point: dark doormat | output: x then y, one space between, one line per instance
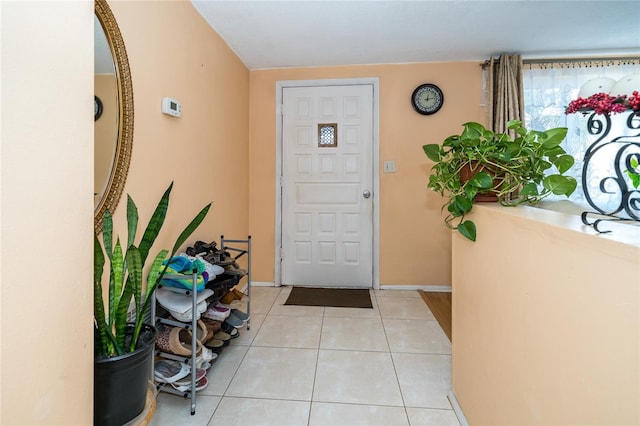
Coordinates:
334 297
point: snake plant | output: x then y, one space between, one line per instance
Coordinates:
126 276
514 166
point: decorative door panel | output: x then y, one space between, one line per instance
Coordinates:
327 165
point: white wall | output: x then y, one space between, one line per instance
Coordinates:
46 207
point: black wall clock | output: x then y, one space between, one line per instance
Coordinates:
427 99
97 108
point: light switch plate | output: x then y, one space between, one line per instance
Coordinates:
389 166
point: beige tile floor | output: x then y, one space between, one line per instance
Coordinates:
390 365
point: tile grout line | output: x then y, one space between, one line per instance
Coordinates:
224 393
272 311
315 372
393 363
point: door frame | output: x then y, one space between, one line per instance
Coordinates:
280 86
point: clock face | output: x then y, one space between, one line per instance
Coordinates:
427 99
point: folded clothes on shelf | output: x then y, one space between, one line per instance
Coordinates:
211 269
179 273
179 305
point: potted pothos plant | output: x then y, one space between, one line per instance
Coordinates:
513 167
123 349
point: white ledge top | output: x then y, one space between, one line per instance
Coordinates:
566 215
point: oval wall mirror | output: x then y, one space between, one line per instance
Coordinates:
113 127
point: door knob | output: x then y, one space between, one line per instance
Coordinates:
366 194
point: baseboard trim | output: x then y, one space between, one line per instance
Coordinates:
457 409
262 284
434 288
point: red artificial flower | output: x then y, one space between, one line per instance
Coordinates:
605 104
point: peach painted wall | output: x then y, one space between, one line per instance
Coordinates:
46 356
414 244
546 320
173 52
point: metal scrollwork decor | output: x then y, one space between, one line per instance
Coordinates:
611 161
621 151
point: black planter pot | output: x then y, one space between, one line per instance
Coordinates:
120 383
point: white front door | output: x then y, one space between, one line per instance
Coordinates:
327 186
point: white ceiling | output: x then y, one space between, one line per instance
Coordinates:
303 33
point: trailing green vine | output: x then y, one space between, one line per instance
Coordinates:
514 166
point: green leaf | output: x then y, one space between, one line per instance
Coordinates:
156 272
107 233
116 280
544 165
554 152
468 230
471 191
98 303
462 203
560 185
529 190
451 141
564 163
434 183
454 209
481 180
472 130
513 124
121 316
432 151
192 226
132 220
155 276
98 262
134 266
635 179
503 156
554 137
155 224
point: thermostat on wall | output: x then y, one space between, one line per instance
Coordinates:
172 107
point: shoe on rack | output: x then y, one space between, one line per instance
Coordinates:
234 321
200 384
239 295
181 345
233 269
203 333
167 371
230 330
221 308
215 345
228 298
214 314
240 315
225 338
213 326
237 318
177 341
168 340
200 374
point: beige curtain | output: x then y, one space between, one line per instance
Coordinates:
505 96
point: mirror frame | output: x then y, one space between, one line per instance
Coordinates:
124 144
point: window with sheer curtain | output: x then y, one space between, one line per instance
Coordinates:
548 89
